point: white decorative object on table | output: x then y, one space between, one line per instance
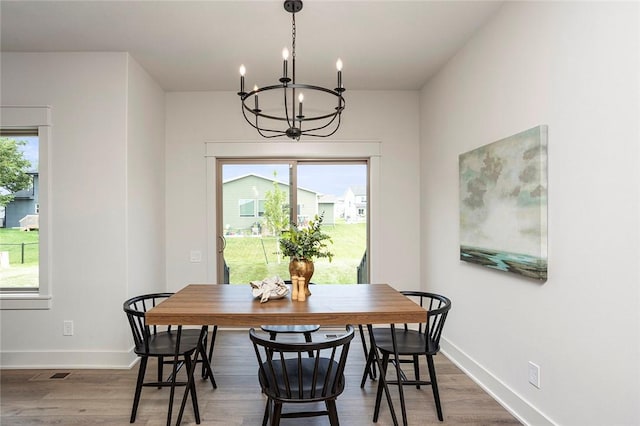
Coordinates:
269 288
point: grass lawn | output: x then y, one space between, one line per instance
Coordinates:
249 258
255 258
22 270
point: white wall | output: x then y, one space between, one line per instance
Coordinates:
91 184
389 117
573 66
145 183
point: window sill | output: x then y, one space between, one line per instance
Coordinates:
24 301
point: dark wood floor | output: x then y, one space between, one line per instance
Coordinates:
103 397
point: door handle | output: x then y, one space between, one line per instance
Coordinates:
223 244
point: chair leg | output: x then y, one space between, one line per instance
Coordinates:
160 365
277 412
267 409
416 370
333 412
434 386
136 398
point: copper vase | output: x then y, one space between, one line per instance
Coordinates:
302 268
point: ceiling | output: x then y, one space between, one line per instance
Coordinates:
199 45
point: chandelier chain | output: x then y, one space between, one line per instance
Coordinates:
293 35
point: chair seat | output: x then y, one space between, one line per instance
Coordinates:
409 342
163 343
290 328
310 389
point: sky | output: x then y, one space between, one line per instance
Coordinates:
331 179
30 150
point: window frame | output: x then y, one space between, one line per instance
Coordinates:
35 118
294 150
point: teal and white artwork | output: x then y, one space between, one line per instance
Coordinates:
503 204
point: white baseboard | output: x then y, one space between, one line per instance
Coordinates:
67 359
520 408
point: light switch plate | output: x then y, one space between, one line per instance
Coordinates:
195 256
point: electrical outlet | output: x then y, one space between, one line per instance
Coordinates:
67 328
534 374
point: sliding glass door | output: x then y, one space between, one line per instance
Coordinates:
255 204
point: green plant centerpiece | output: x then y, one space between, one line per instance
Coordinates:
304 244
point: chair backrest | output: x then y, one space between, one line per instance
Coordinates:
437 307
136 308
286 372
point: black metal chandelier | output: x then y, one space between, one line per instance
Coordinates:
322 123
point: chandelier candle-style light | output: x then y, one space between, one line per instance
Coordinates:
270 125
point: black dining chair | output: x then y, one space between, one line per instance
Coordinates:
163 343
286 376
424 339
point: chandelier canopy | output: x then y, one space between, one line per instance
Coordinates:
321 122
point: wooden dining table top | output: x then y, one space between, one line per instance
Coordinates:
334 304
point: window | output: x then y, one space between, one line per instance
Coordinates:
222 208
25 232
247 208
19 237
251 237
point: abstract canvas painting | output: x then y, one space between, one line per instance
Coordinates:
503 204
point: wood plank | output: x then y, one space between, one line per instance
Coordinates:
233 306
104 397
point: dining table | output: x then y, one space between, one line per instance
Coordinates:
329 305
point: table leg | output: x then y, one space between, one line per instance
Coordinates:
176 358
370 367
190 381
403 408
209 359
382 382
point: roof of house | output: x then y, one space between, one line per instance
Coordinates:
327 198
358 189
267 179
